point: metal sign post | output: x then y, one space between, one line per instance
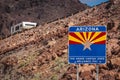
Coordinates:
87 45
97 72
77 72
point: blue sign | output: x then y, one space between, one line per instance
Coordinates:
87 45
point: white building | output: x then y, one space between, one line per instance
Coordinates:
21 26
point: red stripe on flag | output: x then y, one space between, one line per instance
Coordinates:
92 35
100 35
82 35
101 42
75 36
87 35
73 42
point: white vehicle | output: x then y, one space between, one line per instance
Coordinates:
21 26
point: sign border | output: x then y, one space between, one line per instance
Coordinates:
83 31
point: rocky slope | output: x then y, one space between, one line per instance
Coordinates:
15 11
41 53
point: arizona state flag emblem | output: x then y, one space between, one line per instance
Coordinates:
87 44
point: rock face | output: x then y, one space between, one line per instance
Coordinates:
40 11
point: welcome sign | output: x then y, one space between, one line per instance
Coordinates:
87 44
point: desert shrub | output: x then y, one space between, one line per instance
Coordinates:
36 76
119 26
110 25
54 77
44 42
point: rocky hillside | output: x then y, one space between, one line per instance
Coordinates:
41 53
15 11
